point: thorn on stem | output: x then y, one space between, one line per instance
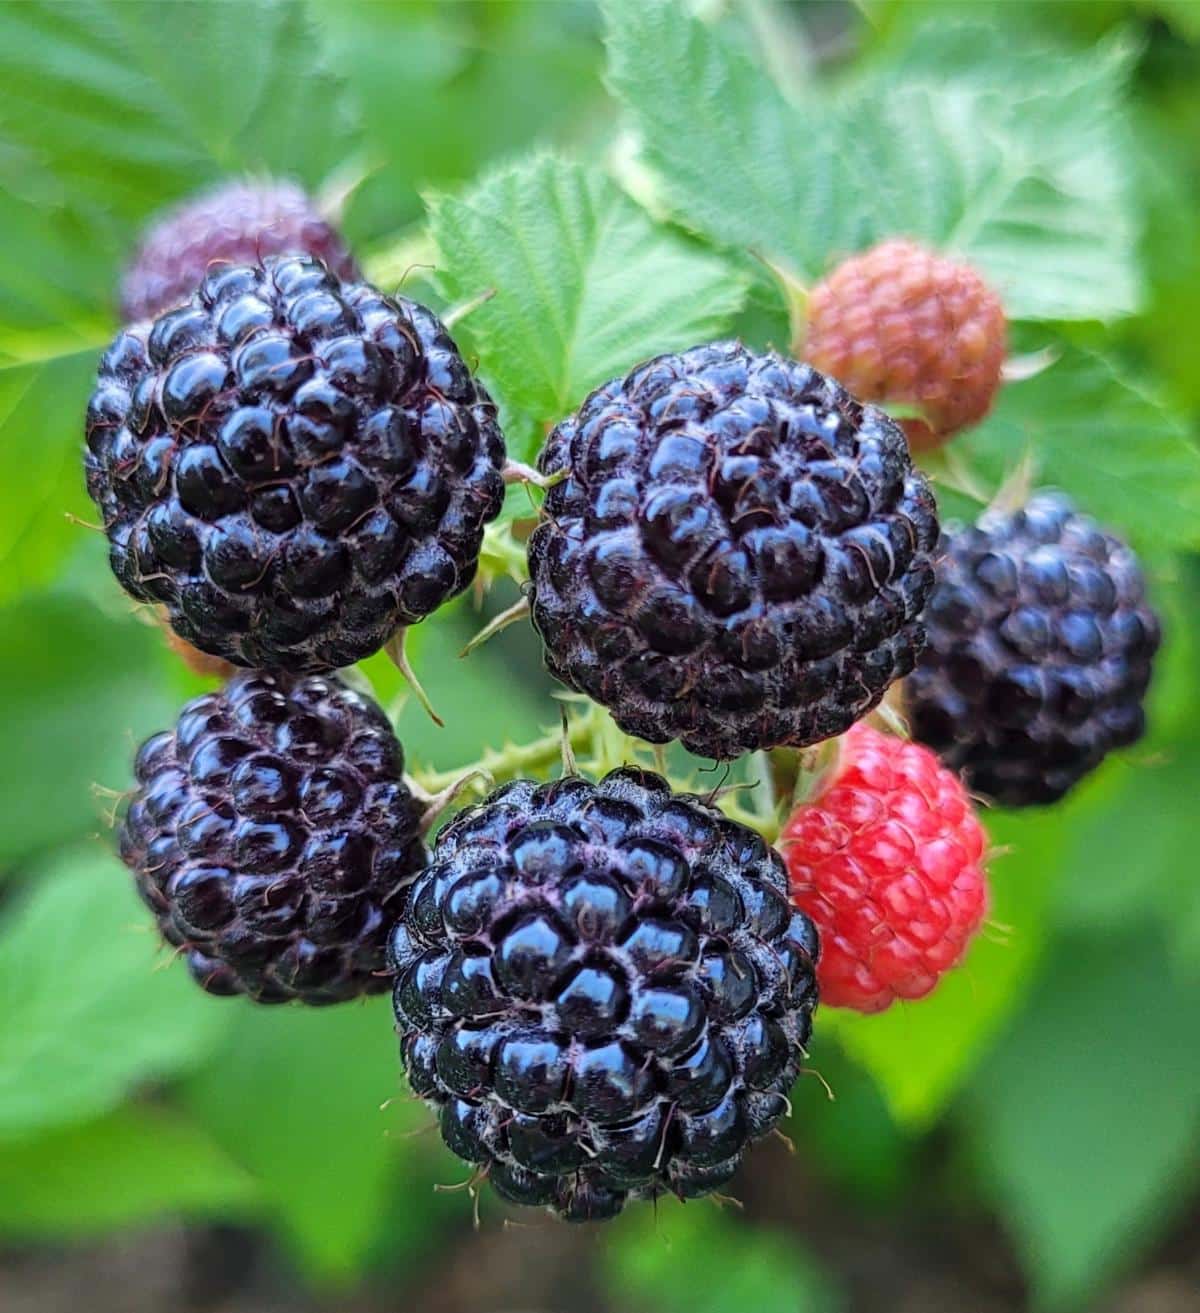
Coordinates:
399 658
518 611
459 312
433 804
568 753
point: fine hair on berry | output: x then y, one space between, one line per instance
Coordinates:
602 991
736 555
1041 645
236 222
272 835
887 860
293 466
903 324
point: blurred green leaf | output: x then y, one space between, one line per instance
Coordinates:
86 92
921 1053
130 1167
1182 15
1097 434
681 1258
88 1010
41 435
78 692
1086 1118
296 1096
111 109
841 1122
1026 174
586 285
1130 855
480 79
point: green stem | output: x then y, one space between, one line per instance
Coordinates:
513 760
601 746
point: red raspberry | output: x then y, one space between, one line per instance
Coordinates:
902 324
886 860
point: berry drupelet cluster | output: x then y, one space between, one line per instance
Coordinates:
902 324
603 991
233 223
293 466
736 555
887 859
272 835
1040 650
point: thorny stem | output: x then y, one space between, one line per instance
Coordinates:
513 760
590 737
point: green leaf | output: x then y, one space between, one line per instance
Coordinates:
89 1012
41 427
96 90
1028 177
500 76
1096 433
680 1258
78 691
921 1053
110 111
841 1125
135 1165
297 1096
1086 1119
586 285
1130 854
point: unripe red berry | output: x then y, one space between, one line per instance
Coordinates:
903 325
886 859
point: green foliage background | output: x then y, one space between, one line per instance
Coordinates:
626 177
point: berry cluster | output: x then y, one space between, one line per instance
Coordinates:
605 990
293 466
1040 646
901 324
886 858
272 835
738 555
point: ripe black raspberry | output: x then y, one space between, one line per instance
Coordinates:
272 835
603 991
1040 649
233 223
738 555
292 465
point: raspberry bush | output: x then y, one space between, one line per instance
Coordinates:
794 742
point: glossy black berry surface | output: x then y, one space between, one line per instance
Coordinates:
737 556
1040 651
272 835
293 466
233 223
603 991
